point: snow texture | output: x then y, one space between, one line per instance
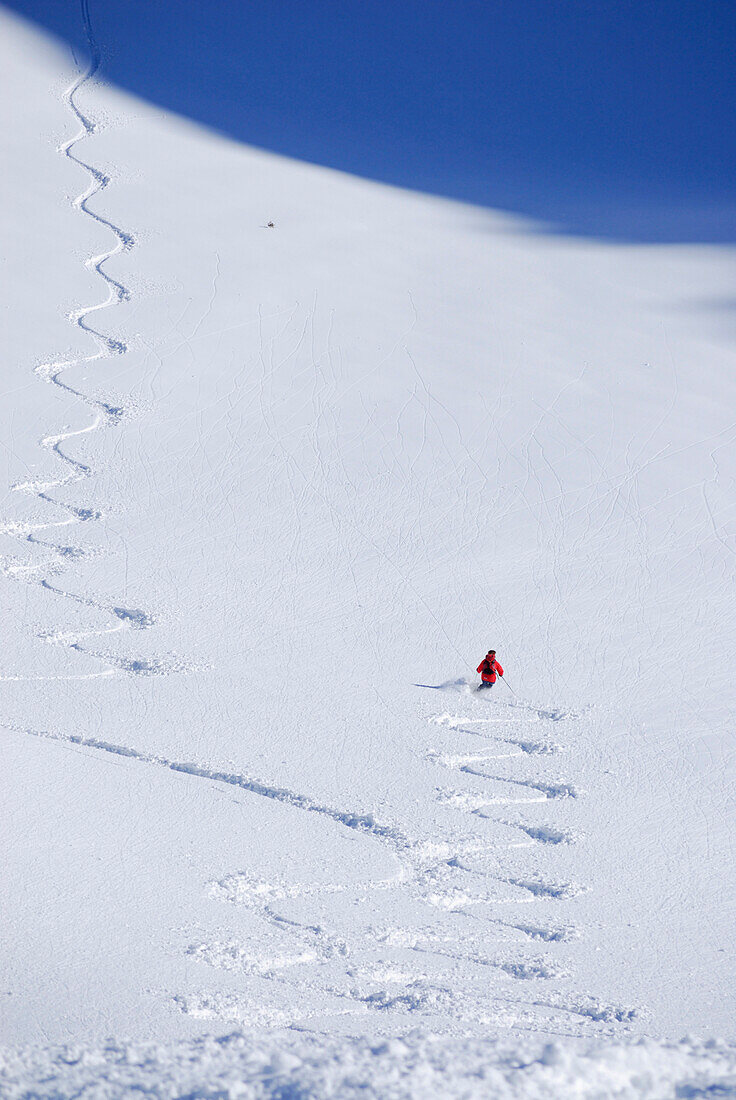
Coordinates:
237 1067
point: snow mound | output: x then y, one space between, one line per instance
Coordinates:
238 1067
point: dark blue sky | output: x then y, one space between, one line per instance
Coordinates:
613 118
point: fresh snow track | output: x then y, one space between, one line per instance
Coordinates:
456 884
460 880
361 822
107 415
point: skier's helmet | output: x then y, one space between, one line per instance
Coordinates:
491 653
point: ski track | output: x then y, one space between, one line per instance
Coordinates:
106 415
462 886
463 881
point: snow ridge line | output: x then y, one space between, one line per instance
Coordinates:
106 413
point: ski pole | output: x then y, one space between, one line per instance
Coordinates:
508 685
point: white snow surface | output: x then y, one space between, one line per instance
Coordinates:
271 493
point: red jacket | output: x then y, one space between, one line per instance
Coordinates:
488 669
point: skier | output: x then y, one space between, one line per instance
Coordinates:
488 668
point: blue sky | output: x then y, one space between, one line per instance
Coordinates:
612 118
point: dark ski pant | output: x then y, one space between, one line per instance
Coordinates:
484 684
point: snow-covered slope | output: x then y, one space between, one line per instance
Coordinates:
274 493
